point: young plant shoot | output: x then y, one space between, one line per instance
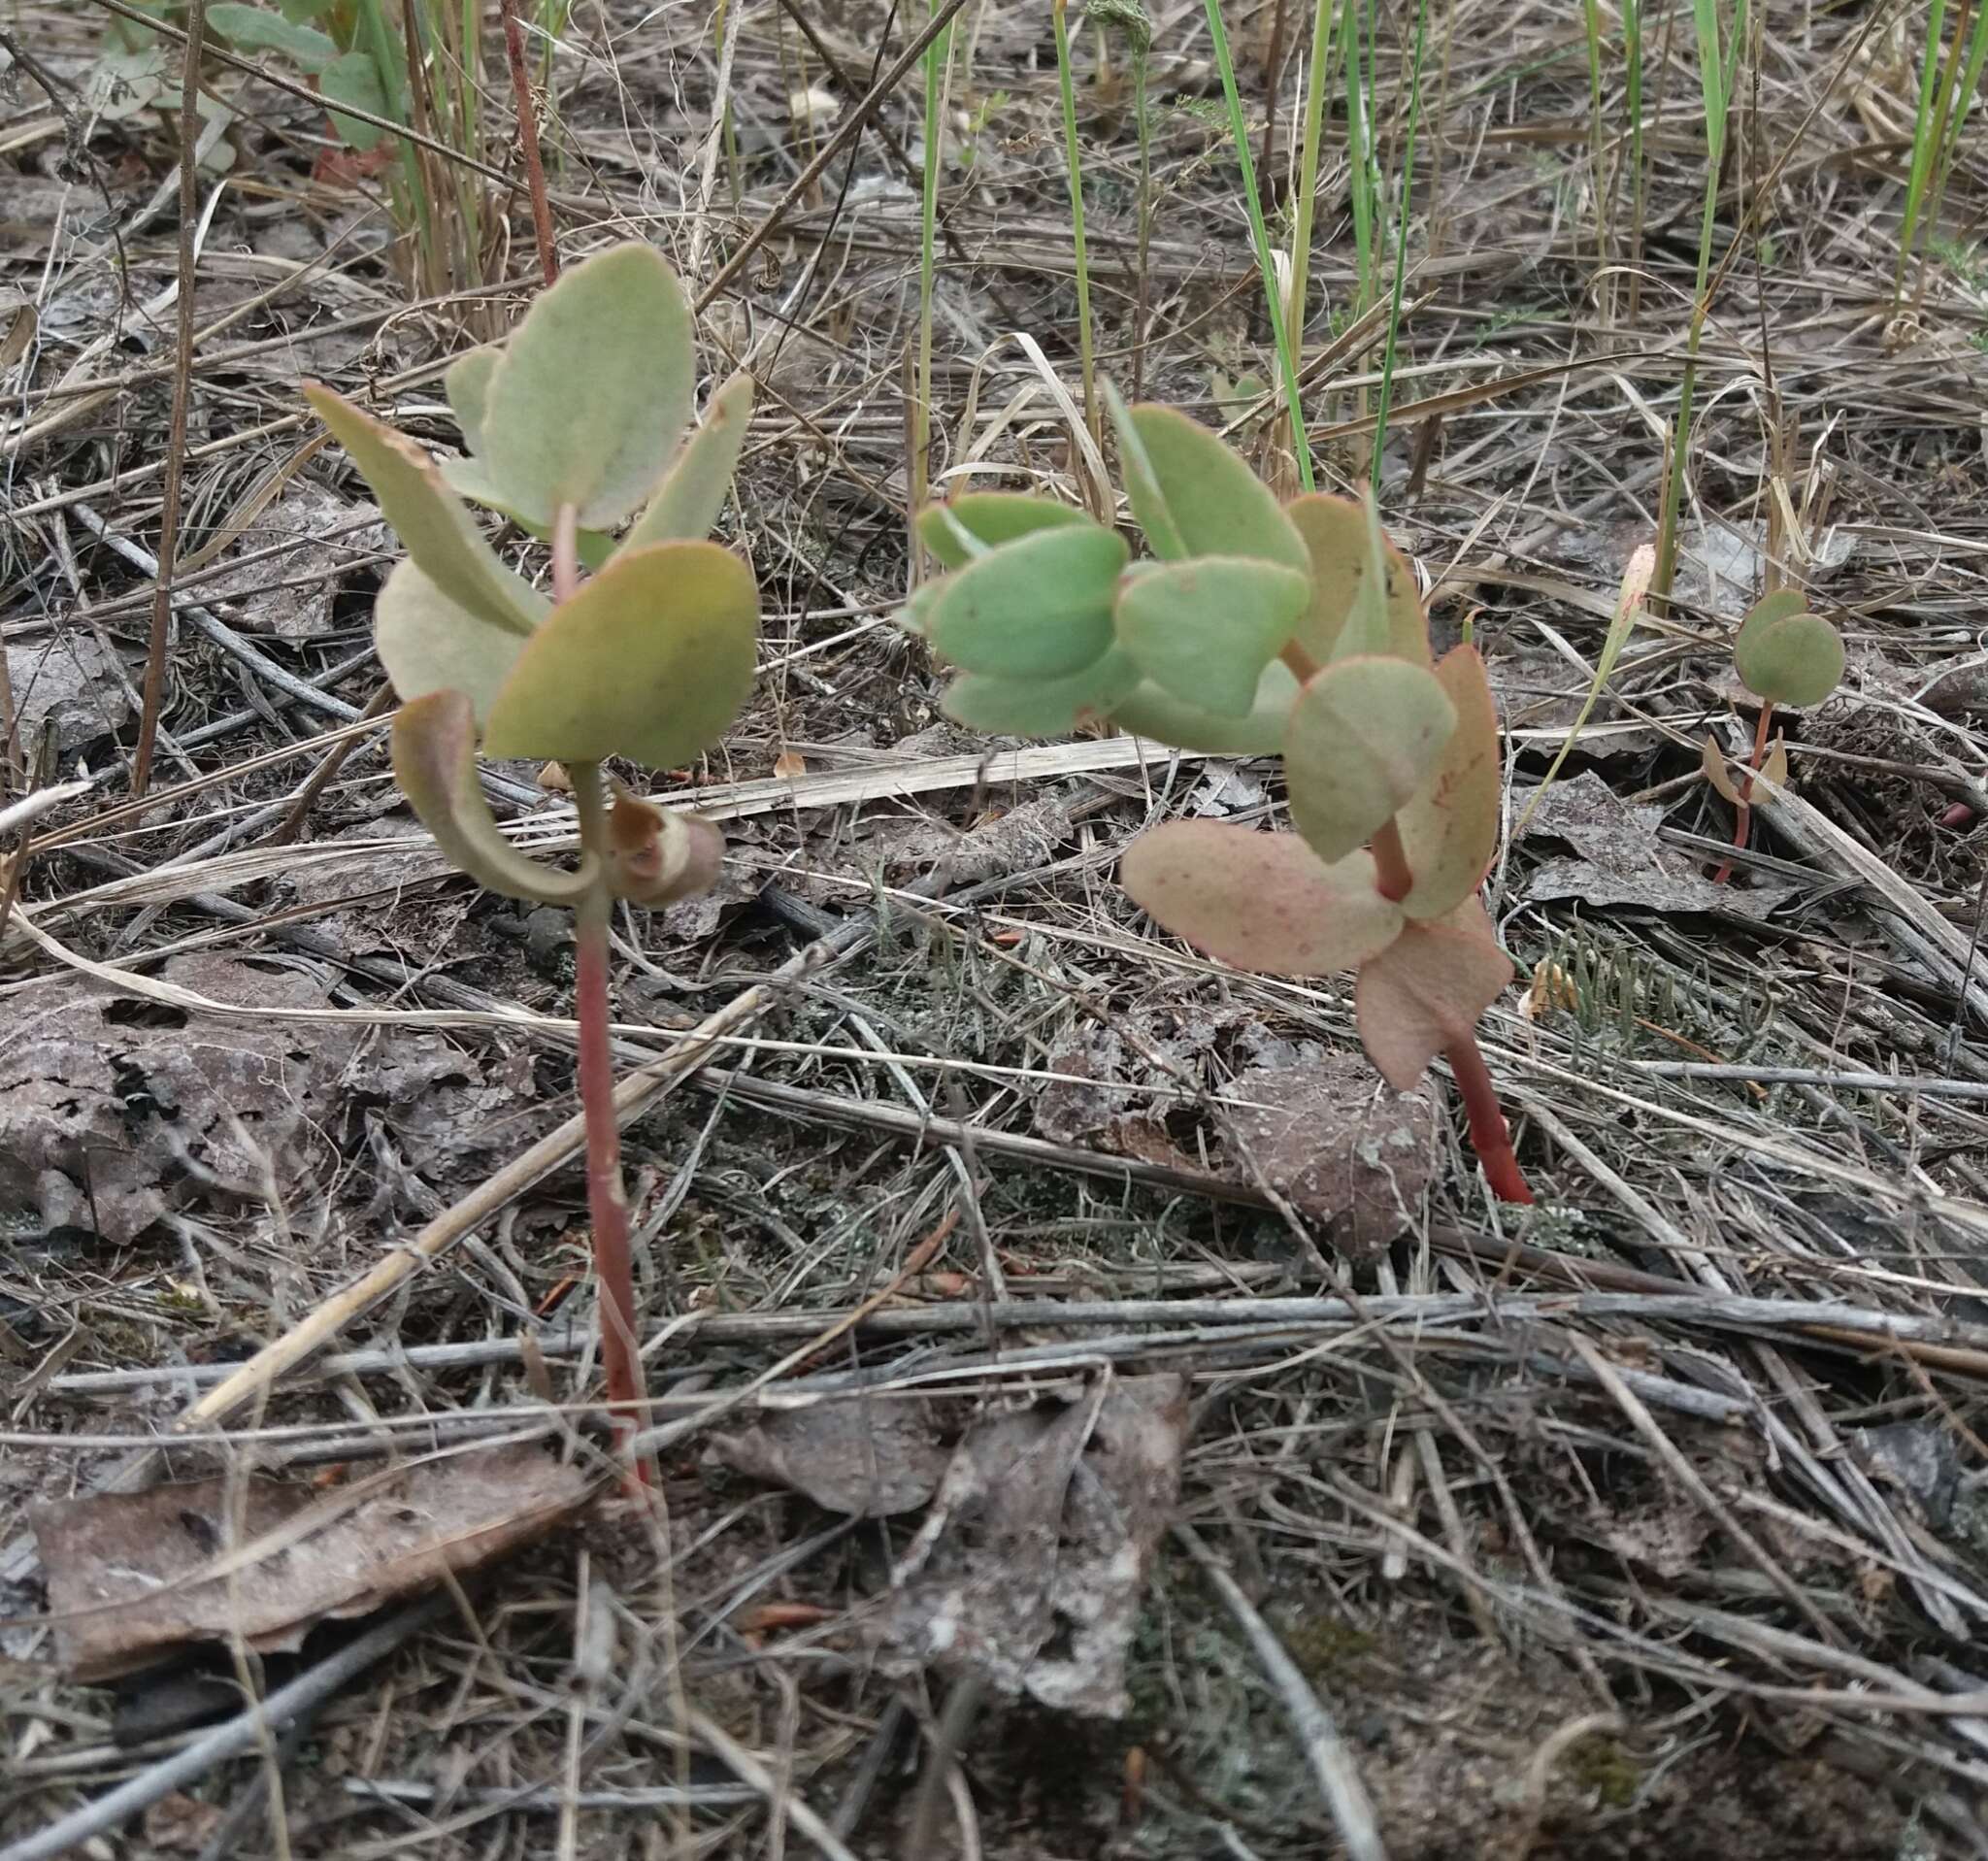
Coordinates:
1784 656
1258 630
574 427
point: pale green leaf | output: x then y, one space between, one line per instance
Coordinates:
258 29
693 492
651 660
1424 993
435 759
352 78
1204 629
1215 503
1364 736
1338 546
467 388
428 643
1041 706
590 397
1142 489
1261 902
430 523
1788 658
1449 828
1040 607
1148 711
975 522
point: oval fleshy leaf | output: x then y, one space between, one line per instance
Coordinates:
988 518
429 643
651 660
353 78
1364 737
591 396
1148 711
1788 657
659 855
1214 503
1263 902
466 386
1142 489
1426 992
250 28
1206 628
1336 541
1450 829
1039 609
437 531
435 760
1041 706
692 493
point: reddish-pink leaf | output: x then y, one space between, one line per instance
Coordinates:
1450 830
1259 901
1426 991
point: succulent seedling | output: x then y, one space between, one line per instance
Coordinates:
1784 656
1257 629
574 426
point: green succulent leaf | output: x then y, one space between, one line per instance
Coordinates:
437 531
1450 829
1040 607
1149 711
1365 736
258 29
467 388
590 399
1041 706
429 642
435 759
692 493
353 78
1194 496
1426 991
651 660
976 521
1261 902
914 617
1339 547
1787 655
1206 628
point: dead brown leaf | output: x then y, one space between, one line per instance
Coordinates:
1031 1568
871 1460
134 1577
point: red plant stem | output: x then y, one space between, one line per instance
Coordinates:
1743 816
1392 879
607 1199
1490 1135
528 140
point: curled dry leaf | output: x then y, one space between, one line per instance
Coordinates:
657 855
135 1577
435 761
1259 901
1426 991
1030 1570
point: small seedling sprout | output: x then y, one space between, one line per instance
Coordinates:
574 427
1784 656
1258 629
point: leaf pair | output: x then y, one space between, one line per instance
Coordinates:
586 406
1786 654
1267 902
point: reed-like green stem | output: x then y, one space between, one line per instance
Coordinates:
1073 163
1287 361
1400 245
1317 77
